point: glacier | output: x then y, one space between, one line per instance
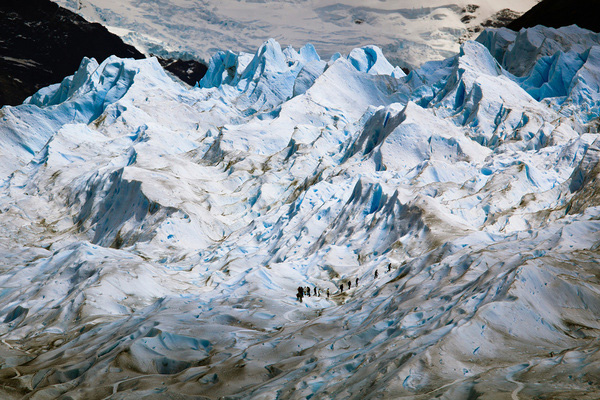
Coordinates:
153 235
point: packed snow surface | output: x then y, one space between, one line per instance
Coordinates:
153 236
410 32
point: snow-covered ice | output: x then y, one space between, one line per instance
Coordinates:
153 235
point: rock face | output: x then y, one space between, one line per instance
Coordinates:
41 43
557 13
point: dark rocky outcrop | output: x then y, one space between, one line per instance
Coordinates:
557 13
189 71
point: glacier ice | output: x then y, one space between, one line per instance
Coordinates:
153 235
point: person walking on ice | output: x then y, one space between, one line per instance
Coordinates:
300 294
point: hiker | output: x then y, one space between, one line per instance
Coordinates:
315 292
327 292
341 287
376 274
308 291
389 267
349 285
356 282
300 294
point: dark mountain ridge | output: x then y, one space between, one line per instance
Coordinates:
557 13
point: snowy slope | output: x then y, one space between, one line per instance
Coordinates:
410 32
153 236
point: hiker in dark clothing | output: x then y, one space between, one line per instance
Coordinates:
389 267
356 282
376 274
349 285
308 291
341 287
300 294
327 292
315 292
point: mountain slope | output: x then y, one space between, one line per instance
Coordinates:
154 236
41 43
409 32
